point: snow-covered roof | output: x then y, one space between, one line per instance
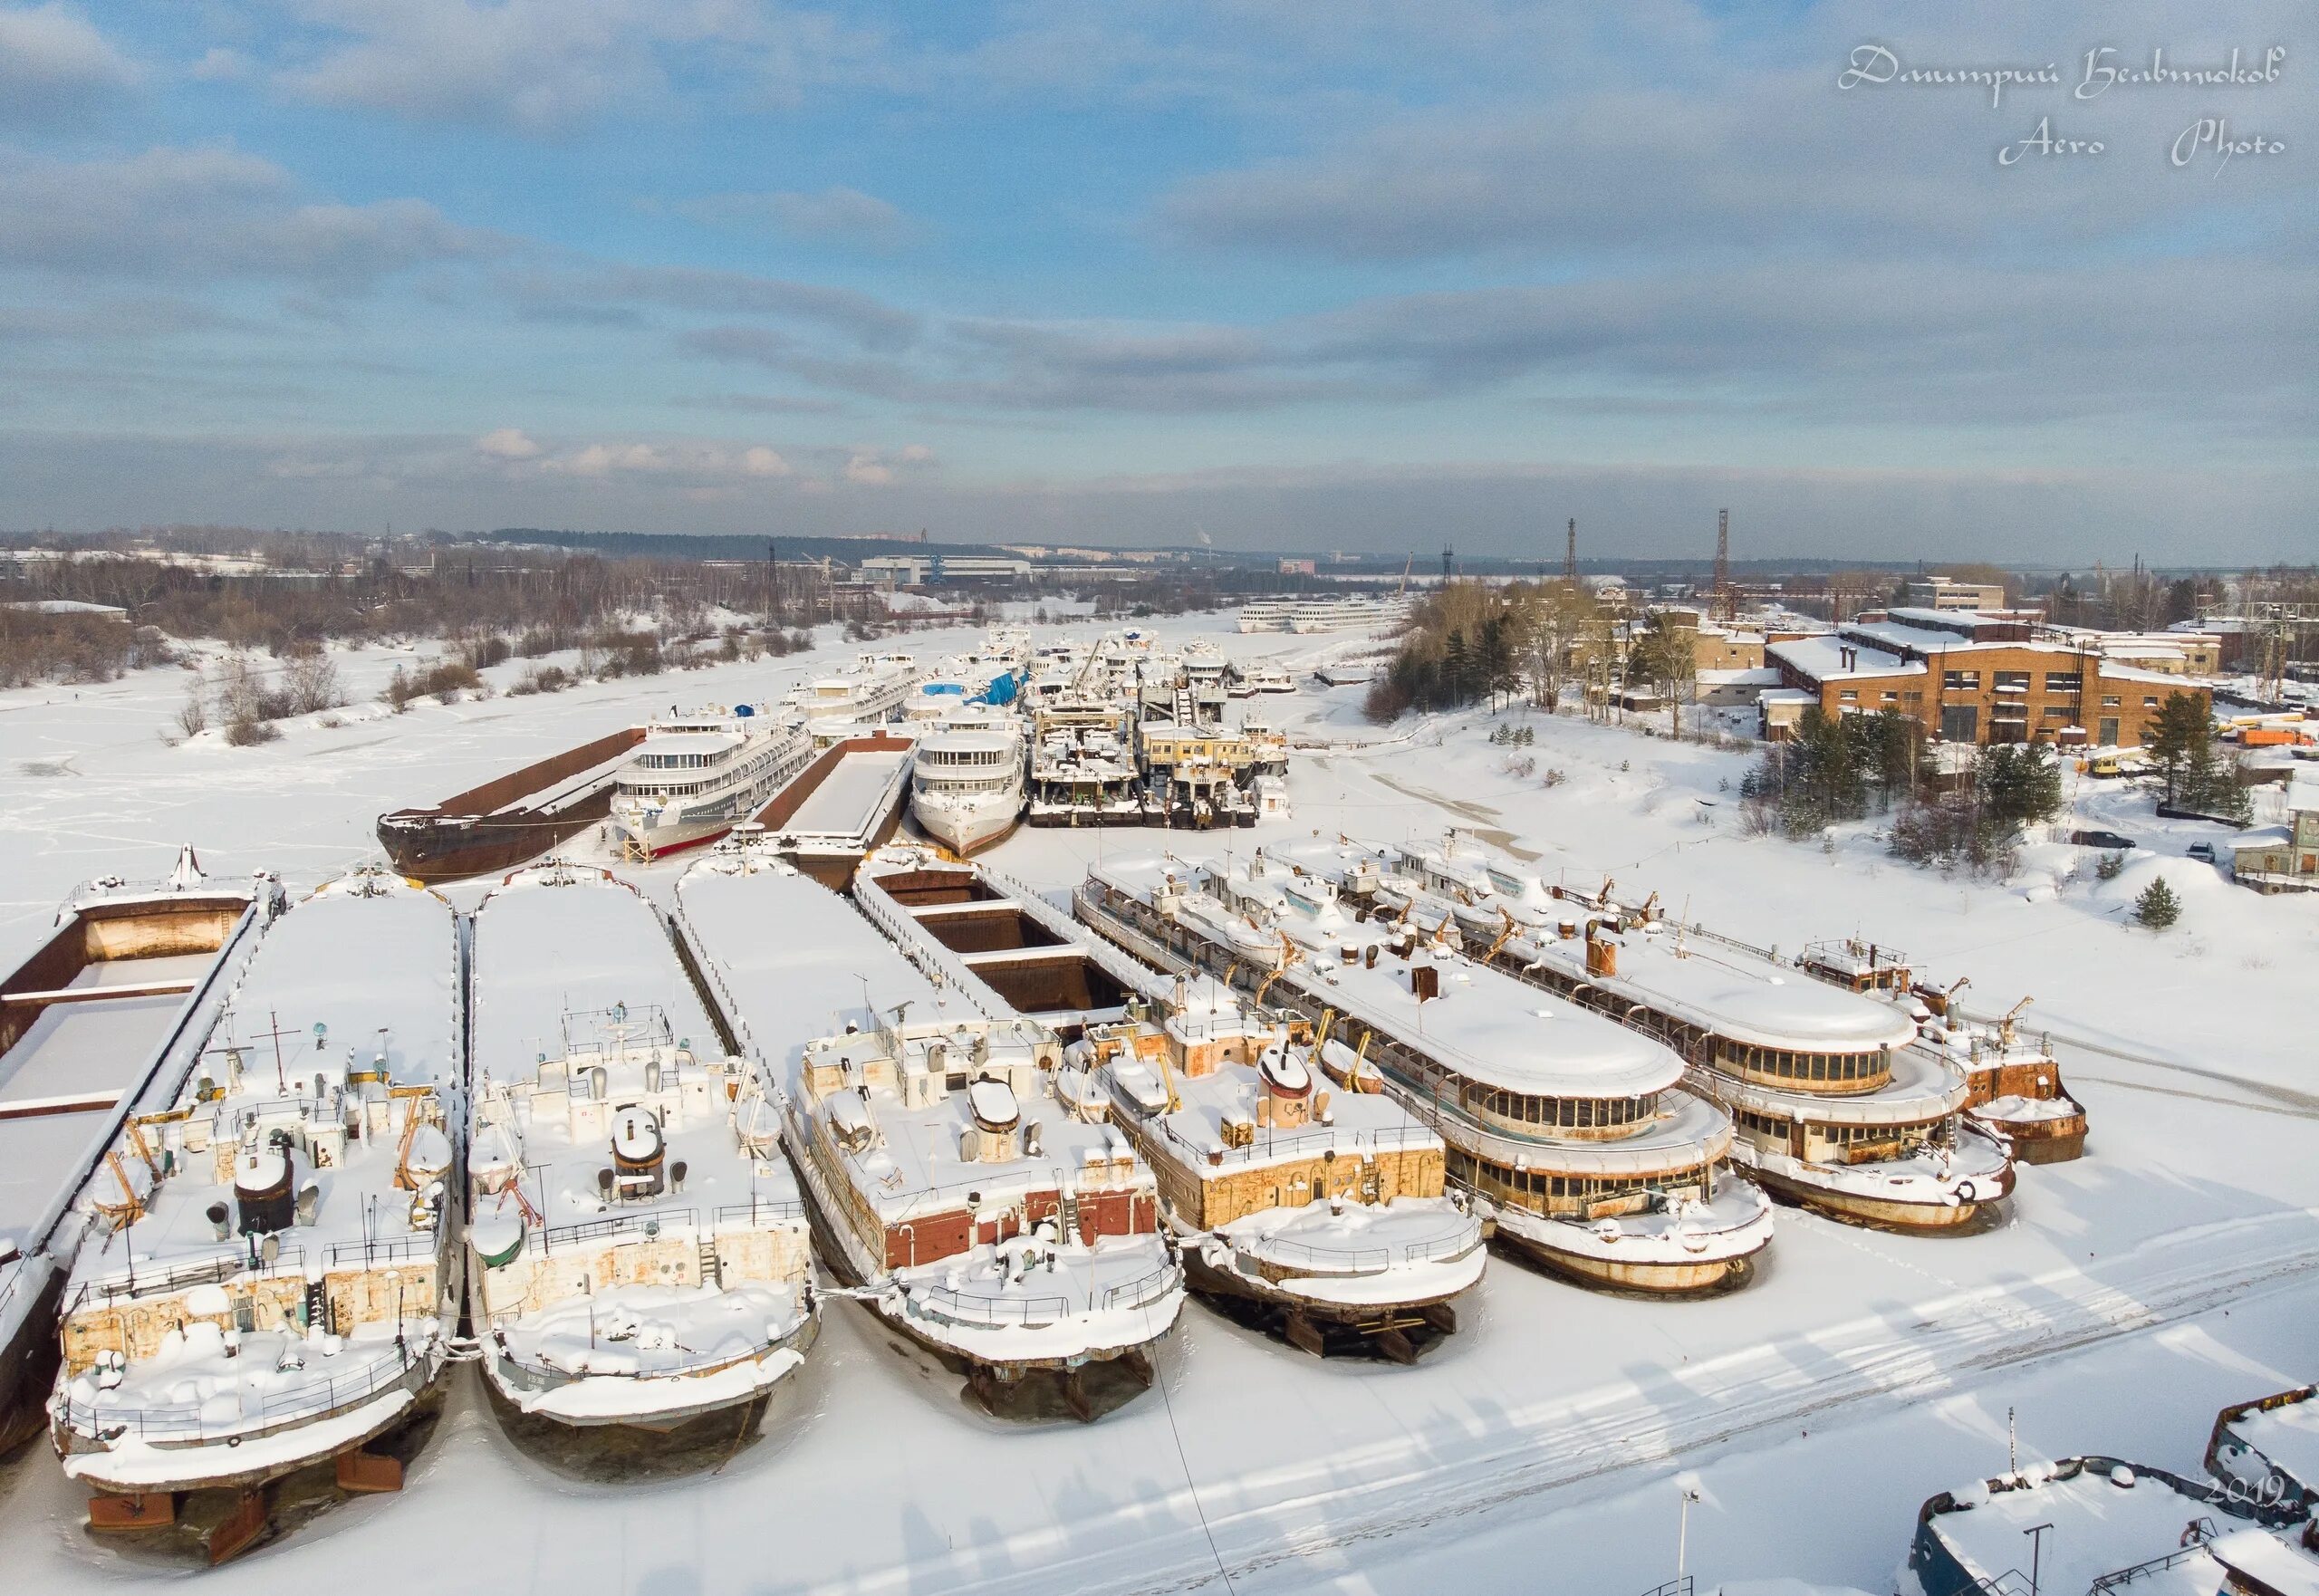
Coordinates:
1761 675
1486 1025
1832 658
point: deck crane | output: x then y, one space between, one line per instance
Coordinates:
2005 1027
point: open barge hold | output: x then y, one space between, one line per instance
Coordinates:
101 1022
948 1182
510 818
277 1296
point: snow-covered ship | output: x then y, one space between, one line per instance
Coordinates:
856 698
966 783
1315 1197
520 816
636 1253
279 1287
695 777
949 1181
1574 1131
1835 1108
101 1022
1285 1186
1084 775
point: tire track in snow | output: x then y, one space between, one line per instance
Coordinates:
1374 1492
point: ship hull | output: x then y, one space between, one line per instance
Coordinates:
966 833
2038 1141
217 1466
473 834
1689 1278
1880 1213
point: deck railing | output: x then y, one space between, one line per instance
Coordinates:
275 1408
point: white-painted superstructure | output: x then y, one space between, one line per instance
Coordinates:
694 777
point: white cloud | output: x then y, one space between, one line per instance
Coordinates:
864 468
508 443
188 214
220 66
53 64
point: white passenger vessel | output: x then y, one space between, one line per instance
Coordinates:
966 784
948 1177
1835 1108
856 699
281 1287
637 1252
695 777
1574 1131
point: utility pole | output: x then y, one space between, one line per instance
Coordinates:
1723 599
1683 1535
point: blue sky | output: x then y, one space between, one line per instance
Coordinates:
1329 274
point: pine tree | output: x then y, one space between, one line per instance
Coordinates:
2157 908
2182 731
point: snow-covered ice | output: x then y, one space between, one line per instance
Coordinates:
2130 1296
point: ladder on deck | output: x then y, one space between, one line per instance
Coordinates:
711 1272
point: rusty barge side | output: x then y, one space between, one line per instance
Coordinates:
476 832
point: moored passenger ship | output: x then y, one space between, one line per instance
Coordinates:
1574 1131
966 783
1835 1108
694 777
948 1178
279 1291
636 1253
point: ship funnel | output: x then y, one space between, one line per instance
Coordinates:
600 1082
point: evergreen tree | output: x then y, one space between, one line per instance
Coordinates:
1455 666
2157 908
2019 784
2174 738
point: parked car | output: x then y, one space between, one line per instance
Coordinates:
2202 851
2109 840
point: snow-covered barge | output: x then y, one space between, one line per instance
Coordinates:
948 1182
100 1021
1835 1108
846 802
1574 1131
1325 1208
279 1286
637 1252
510 818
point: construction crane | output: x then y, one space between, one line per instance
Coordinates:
1570 555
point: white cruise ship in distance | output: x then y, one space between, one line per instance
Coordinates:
637 1252
864 695
985 1222
1353 613
695 777
967 784
283 1292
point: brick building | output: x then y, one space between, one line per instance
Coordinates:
1969 677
